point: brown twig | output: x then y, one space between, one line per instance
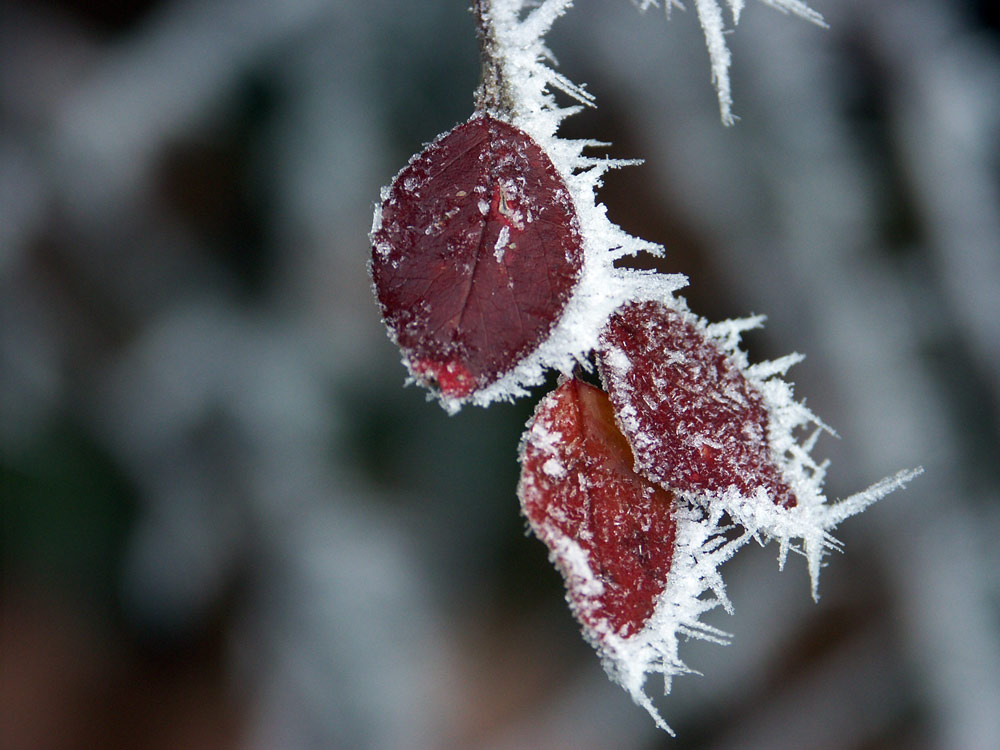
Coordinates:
493 94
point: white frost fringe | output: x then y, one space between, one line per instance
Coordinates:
524 60
694 587
806 527
694 583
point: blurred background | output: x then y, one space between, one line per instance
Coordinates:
226 524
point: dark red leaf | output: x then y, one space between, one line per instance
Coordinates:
476 255
578 486
694 421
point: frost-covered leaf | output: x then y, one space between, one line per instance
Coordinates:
609 530
641 567
476 252
722 433
695 422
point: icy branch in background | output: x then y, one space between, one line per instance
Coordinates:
713 24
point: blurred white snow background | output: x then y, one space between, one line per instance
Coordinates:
227 525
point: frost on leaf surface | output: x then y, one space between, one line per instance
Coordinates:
476 250
610 531
695 422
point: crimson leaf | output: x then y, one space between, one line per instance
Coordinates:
693 419
609 530
475 256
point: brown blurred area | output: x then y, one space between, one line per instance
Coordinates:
70 682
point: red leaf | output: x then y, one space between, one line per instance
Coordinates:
693 419
476 255
578 487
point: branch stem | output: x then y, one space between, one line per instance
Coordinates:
493 94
